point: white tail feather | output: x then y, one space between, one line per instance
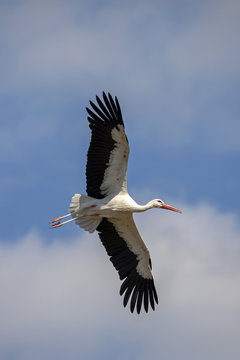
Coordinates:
88 224
79 202
78 206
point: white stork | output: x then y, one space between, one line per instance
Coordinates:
108 207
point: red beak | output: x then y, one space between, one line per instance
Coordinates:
169 207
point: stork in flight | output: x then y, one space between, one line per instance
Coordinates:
108 208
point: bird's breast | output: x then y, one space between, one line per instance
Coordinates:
120 203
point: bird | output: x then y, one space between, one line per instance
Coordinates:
108 208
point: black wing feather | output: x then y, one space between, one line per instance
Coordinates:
109 107
99 112
118 108
139 300
104 109
146 299
113 105
135 287
101 122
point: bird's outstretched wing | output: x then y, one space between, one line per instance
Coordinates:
131 259
108 152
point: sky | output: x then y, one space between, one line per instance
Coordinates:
174 67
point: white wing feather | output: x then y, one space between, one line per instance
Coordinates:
115 177
127 229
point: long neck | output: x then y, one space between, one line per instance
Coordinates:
145 207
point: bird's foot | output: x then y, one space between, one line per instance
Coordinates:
58 222
57 219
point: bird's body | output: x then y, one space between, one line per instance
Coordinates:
108 207
114 206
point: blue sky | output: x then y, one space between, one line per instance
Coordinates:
175 69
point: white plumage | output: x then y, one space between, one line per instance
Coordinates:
108 207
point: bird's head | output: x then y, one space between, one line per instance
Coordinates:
158 203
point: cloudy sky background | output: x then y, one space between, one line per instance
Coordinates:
175 69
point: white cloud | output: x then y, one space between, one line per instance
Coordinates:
61 41
208 45
61 300
135 50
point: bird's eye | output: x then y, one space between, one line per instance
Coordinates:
160 201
